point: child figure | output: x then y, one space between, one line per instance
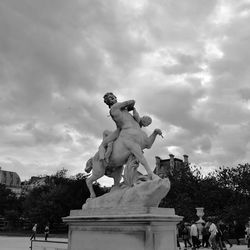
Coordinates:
143 121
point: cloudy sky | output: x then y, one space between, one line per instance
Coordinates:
186 63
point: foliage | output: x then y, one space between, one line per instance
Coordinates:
50 202
224 194
236 179
8 200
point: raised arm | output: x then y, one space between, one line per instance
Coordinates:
129 105
136 115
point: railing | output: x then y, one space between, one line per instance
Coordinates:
48 245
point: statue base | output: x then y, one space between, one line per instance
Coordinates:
145 228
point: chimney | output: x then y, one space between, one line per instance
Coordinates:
171 160
185 159
157 161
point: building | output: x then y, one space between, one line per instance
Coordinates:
34 182
165 167
171 168
11 180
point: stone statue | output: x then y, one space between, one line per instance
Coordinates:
118 146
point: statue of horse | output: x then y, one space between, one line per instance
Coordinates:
131 141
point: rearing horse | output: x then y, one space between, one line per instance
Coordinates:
131 140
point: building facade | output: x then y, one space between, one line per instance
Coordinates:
165 167
11 180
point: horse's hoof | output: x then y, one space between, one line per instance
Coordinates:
89 199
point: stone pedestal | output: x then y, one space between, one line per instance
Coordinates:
124 229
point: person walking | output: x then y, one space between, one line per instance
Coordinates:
46 232
212 238
34 229
205 235
194 235
247 233
219 237
178 235
236 230
225 234
186 235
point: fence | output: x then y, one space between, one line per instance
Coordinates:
3 224
48 245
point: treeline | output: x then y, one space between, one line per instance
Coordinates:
225 194
46 203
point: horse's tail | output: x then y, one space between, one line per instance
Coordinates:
89 165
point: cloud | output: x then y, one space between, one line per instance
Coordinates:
185 63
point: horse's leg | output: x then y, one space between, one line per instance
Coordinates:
117 175
150 140
98 171
136 150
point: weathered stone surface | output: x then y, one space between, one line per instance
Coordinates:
143 194
123 228
117 147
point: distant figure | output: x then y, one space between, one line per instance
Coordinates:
194 235
247 233
225 234
236 230
177 237
205 235
186 235
219 237
46 232
33 236
212 238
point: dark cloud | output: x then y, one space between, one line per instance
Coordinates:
185 63
245 93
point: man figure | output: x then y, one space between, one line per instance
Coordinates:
186 235
46 232
237 231
115 112
194 235
119 112
33 236
247 234
142 121
131 140
205 235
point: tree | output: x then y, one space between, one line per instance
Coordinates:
236 178
224 194
237 181
54 200
8 200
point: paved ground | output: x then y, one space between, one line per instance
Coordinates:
234 247
19 243
23 243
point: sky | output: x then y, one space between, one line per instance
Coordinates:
185 63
